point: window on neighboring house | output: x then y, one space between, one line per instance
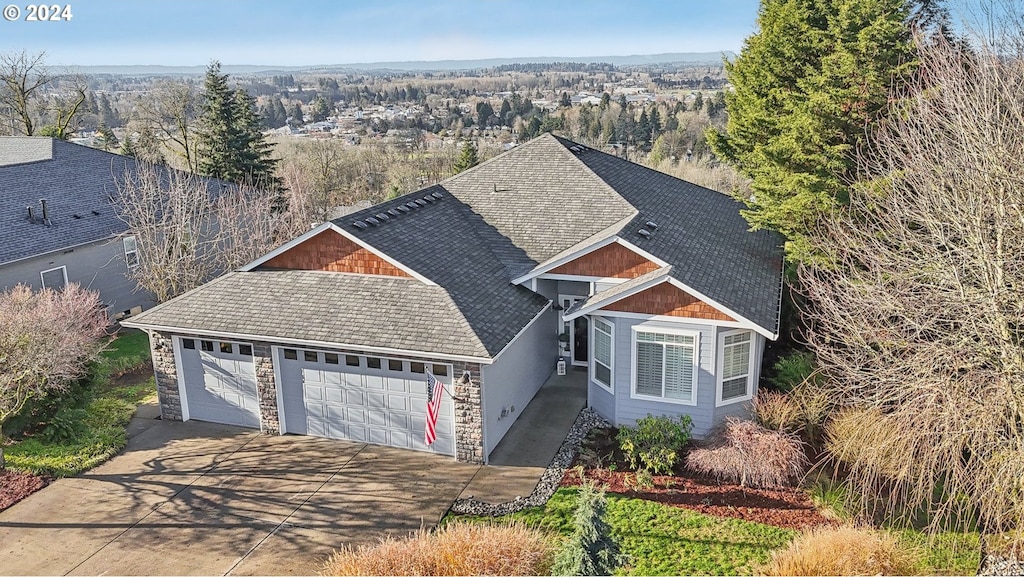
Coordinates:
372 362
291 354
188 343
394 365
206 346
131 251
55 278
602 368
310 356
245 350
417 367
737 358
352 360
226 348
440 370
665 366
331 358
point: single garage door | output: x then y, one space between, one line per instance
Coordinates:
363 398
220 382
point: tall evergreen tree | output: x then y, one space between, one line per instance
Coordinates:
807 85
231 145
467 157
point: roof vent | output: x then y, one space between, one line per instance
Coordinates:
421 202
403 208
437 195
359 224
95 213
644 233
393 212
382 217
76 217
412 205
651 225
372 221
429 198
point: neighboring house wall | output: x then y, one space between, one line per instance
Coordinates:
98 266
516 376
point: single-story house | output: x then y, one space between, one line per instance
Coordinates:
652 285
58 223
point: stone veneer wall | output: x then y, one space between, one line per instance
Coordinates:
266 388
166 374
469 422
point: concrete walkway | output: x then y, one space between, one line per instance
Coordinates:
204 499
521 457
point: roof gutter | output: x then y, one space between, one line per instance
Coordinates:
305 342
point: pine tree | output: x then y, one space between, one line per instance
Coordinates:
467 157
807 86
231 144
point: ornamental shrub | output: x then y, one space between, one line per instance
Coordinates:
655 443
590 549
746 453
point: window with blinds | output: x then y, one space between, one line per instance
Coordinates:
736 350
665 366
602 369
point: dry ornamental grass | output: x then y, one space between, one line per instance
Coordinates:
844 550
455 549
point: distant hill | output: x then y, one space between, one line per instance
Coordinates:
417 65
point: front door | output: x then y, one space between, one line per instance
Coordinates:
576 347
580 341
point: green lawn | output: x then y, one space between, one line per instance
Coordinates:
663 540
89 427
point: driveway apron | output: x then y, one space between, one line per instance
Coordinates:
197 498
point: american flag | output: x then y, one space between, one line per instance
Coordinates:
435 390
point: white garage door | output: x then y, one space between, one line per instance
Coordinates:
219 382
361 398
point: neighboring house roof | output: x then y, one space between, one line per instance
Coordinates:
476 232
76 182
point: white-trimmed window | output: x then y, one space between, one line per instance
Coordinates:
602 358
735 368
55 278
665 365
131 251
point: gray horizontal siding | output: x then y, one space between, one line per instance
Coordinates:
516 376
628 410
98 266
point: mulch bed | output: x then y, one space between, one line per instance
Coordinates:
15 486
789 508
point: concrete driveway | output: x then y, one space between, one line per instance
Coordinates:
198 498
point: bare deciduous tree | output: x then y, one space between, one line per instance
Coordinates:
917 312
22 76
46 340
170 111
189 228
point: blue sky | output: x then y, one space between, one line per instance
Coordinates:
193 32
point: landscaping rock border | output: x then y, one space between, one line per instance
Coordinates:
549 481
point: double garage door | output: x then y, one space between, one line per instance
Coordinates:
367 399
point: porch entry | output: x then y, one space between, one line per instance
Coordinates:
577 348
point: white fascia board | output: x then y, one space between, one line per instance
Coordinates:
559 261
522 331
299 343
331 226
606 301
553 264
641 252
286 246
685 320
742 320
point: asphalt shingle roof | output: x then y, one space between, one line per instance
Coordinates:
74 180
358 310
485 227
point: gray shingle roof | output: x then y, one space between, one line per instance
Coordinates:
609 294
490 225
77 180
340 309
